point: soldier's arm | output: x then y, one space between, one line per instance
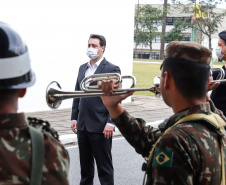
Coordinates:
135 131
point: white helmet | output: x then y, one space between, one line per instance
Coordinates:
15 68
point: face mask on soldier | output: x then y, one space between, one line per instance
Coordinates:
218 52
92 53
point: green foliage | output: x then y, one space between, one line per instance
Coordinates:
205 17
147 20
175 34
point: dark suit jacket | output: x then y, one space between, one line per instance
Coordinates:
218 95
91 112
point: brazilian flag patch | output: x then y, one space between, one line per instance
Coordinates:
163 158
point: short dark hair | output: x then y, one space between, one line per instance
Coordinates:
224 41
100 37
191 78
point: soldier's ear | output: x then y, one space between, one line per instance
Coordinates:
166 80
21 92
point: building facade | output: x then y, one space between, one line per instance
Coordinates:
143 52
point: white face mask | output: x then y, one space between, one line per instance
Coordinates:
92 53
218 52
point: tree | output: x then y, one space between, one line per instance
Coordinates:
205 17
162 47
147 21
176 34
136 29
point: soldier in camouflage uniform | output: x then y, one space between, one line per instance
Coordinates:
15 141
189 152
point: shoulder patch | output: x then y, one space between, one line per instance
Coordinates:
163 158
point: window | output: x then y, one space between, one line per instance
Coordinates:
167 41
157 39
171 20
142 55
157 23
187 38
186 19
145 55
155 56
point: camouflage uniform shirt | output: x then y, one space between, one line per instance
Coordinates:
15 154
189 153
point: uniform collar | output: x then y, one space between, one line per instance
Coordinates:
12 120
202 108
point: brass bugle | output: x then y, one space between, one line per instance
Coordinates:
222 74
54 94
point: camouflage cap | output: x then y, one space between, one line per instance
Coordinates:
190 51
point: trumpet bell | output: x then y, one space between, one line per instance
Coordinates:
156 83
52 101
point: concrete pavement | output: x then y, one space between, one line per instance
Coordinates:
152 110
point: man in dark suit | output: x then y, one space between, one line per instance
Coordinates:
218 94
91 120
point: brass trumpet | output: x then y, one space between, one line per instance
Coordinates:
222 74
54 94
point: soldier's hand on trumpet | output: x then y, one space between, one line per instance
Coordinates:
107 86
112 103
212 85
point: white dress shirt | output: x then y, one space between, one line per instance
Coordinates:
91 70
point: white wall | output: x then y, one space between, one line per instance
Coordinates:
57 31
